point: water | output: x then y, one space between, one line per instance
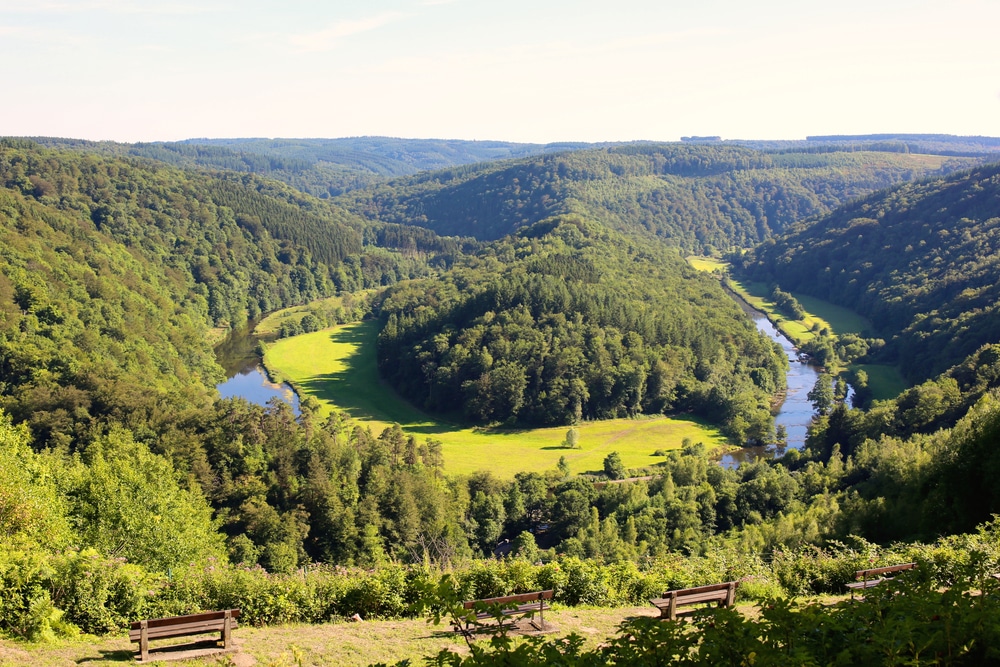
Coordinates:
247 379
796 411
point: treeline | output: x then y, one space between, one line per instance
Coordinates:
698 196
921 261
566 322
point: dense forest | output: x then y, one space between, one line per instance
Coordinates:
320 167
697 196
111 270
560 296
568 321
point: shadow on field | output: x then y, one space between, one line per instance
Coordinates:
121 655
358 390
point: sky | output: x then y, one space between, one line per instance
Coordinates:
518 70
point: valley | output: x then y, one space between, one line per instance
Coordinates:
495 346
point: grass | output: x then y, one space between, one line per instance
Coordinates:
346 644
338 368
707 263
886 382
826 315
342 644
269 326
837 319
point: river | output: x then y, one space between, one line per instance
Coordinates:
246 378
796 411
238 355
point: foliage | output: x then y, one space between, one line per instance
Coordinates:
613 466
903 622
698 197
577 323
919 260
130 503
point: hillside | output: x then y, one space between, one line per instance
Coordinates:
112 269
696 196
921 261
568 321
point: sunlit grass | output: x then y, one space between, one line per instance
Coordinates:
338 368
707 263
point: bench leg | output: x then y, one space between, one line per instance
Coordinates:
540 625
227 629
144 641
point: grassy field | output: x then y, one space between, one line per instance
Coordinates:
707 263
270 325
337 367
827 315
835 318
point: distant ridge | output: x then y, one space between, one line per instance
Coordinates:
987 141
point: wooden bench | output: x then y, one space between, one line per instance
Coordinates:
873 577
723 594
511 605
223 622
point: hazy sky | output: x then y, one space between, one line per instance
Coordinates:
516 70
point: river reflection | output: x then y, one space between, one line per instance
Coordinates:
796 411
239 356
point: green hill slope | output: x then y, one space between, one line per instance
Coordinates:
570 321
699 197
921 261
112 269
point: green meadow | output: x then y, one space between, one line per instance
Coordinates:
337 367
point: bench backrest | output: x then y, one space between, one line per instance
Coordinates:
511 599
699 590
205 617
879 571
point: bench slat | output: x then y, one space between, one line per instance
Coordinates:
873 576
189 618
511 599
181 630
527 603
222 622
721 593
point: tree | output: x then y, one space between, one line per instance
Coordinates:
572 440
613 466
563 466
821 394
130 503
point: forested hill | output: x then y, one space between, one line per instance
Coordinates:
111 271
697 196
568 320
320 167
922 261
